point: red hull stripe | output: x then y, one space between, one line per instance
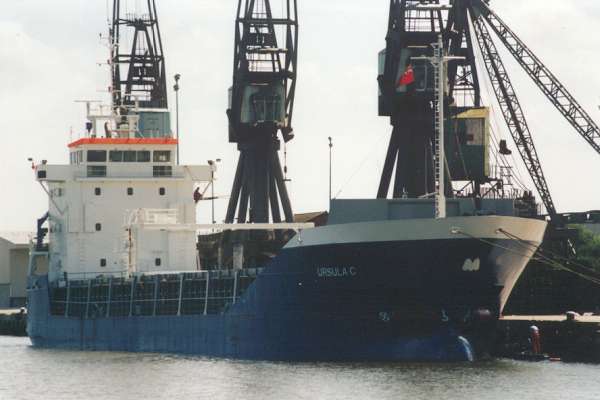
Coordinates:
109 141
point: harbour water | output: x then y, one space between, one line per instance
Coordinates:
28 373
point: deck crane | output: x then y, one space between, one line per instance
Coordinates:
463 25
261 106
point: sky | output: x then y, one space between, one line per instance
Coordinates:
50 51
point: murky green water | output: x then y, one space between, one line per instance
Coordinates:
28 373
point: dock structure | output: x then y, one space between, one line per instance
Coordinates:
13 322
574 338
10 311
582 319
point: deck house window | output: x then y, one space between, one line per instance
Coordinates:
96 156
96 171
161 171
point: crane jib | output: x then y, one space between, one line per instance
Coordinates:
552 88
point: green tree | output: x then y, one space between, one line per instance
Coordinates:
587 245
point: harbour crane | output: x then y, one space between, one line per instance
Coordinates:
138 63
464 25
261 107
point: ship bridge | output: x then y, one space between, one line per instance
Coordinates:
133 166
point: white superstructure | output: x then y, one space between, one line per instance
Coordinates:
91 198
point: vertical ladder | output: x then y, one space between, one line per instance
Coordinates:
438 62
81 243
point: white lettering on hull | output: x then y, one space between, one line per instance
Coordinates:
471 265
337 272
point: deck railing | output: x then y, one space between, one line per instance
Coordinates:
187 293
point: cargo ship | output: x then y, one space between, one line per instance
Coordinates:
414 278
371 285
383 280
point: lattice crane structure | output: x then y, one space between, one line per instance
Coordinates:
406 90
137 59
261 107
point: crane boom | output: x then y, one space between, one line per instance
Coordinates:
512 112
544 79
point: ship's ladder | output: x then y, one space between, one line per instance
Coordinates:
437 109
128 253
81 249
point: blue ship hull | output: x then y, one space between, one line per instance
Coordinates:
373 301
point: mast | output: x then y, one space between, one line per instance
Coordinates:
439 62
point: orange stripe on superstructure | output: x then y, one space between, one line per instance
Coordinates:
119 141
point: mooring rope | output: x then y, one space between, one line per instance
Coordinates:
541 258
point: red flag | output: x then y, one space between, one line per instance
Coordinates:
407 77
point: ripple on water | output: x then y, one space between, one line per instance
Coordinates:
29 373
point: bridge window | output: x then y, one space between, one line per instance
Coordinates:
129 156
96 155
143 156
162 156
116 156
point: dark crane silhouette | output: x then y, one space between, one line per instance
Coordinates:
464 24
138 64
261 106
